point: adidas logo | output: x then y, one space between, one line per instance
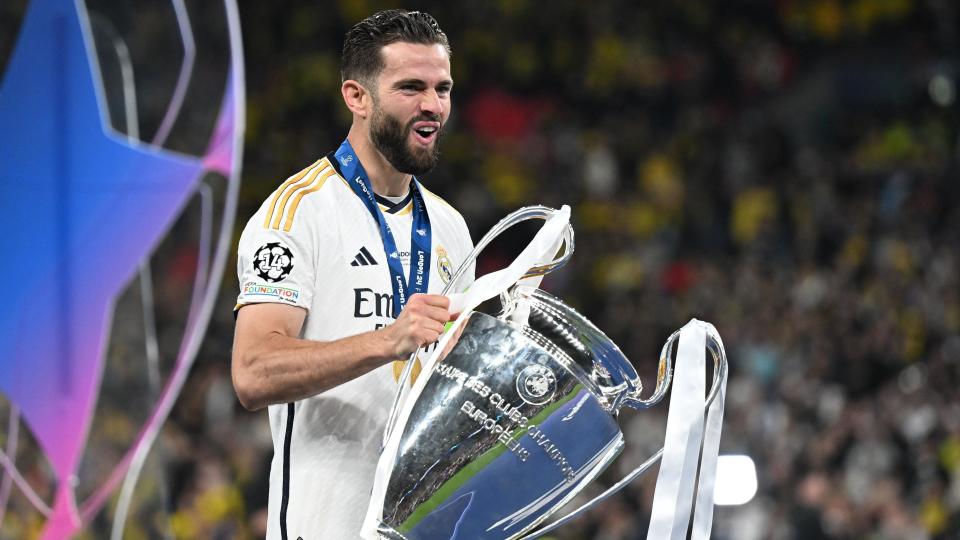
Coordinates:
363 258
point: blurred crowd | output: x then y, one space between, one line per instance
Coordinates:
781 169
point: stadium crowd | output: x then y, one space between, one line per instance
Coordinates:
781 169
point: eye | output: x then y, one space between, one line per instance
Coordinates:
409 87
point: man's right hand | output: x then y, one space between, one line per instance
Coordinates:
420 323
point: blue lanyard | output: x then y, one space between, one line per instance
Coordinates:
420 234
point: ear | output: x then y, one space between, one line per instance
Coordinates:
357 98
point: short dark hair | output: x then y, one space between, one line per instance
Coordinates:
362 59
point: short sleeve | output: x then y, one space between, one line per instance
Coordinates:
276 266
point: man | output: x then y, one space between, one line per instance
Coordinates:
338 274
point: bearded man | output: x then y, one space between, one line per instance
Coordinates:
339 270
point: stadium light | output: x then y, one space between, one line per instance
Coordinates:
736 480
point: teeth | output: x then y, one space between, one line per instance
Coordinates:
427 129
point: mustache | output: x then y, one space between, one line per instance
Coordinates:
425 118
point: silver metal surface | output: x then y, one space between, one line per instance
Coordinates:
504 433
613 377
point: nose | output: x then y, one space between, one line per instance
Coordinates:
431 104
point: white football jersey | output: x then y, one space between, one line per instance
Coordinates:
314 244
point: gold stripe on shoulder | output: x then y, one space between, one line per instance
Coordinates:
306 182
276 194
437 197
328 172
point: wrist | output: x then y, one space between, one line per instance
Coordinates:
386 343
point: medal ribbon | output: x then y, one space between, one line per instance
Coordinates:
420 233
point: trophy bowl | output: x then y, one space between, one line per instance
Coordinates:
514 420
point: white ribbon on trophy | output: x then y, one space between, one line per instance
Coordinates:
673 496
541 249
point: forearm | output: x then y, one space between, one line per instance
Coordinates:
282 369
270 365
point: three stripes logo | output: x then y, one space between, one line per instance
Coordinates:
286 199
363 258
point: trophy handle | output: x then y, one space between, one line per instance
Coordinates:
518 216
665 371
664 374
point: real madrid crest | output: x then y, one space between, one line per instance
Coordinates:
444 268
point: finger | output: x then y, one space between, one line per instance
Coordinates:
437 314
424 303
426 312
431 328
436 300
427 336
432 318
437 326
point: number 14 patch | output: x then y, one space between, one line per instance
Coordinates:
273 262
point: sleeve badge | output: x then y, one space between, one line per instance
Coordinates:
444 268
273 262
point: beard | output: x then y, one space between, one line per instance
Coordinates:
390 137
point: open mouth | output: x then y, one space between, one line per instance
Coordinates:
425 133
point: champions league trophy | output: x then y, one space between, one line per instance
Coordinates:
514 415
